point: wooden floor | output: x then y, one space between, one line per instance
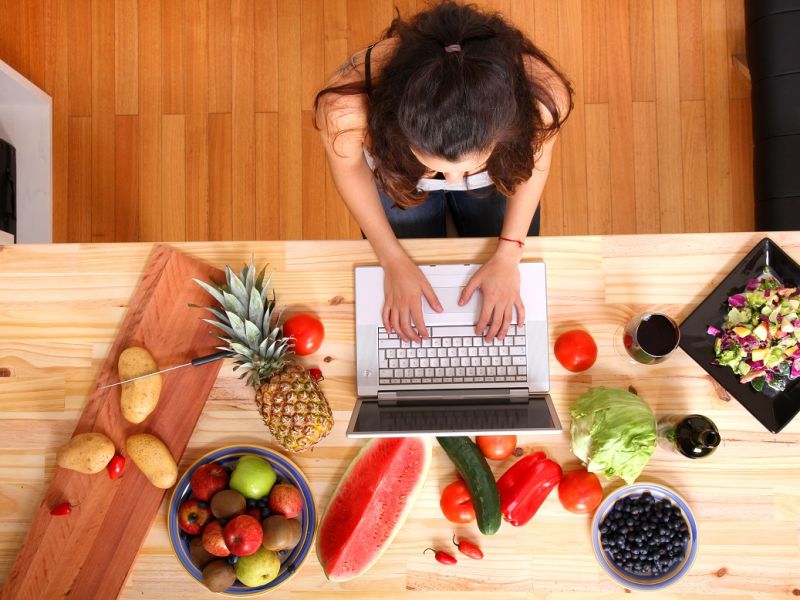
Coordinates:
189 119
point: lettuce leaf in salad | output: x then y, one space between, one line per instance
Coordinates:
759 339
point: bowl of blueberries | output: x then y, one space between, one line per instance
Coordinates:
644 536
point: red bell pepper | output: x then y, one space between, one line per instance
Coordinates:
525 485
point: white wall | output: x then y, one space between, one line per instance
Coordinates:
26 122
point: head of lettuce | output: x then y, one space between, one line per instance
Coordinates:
613 432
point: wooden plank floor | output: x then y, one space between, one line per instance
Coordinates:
190 119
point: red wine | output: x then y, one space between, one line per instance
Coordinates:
657 335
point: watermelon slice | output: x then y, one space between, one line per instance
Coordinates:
369 506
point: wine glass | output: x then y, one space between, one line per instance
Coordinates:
648 338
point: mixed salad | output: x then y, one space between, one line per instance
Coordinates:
760 336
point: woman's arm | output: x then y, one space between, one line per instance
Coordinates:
404 283
498 279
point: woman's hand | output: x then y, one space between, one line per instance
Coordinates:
498 281
403 286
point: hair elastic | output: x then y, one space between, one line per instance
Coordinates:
453 48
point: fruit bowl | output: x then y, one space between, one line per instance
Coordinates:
287 472
685 540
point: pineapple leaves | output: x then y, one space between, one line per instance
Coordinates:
253 335
221 326
233 304
237 325
250 277
256 309
240 291
260 278
242 349
265 290
215 292
217 313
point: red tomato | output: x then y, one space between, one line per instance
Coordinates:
307 331
497 447
576 350
580 491
456 503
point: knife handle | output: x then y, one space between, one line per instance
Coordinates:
202 360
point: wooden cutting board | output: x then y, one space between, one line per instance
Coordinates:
89 553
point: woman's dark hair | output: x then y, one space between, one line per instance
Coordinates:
452 102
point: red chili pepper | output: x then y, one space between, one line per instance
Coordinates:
116 466
525 485
442 557
62 509
315 374
468 549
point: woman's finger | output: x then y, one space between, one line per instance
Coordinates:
507 314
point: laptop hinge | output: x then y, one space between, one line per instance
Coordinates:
515 395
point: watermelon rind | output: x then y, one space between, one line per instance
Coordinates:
410 499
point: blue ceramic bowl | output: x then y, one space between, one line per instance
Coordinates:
287 473
639 582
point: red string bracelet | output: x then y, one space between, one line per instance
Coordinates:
517 242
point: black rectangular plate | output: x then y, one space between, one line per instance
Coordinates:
772 408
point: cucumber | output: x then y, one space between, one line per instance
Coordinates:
472 466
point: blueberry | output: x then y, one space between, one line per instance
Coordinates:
603 529
232 558
251 503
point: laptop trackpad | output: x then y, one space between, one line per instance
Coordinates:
449 296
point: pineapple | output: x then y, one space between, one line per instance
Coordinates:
288 398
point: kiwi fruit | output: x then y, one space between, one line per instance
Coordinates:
228 504
200 557
218 575
280 533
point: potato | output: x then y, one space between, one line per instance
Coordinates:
139 398
152 456
86 453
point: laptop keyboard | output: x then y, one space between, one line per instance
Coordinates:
452 355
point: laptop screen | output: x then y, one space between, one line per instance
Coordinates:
439 418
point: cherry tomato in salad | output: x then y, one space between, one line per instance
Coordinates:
496 447
576 350
456 503
307 331
580 491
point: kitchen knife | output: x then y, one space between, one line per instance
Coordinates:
202 360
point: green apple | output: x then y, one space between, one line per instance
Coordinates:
259 568
253 477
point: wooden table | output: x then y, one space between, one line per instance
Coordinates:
60 307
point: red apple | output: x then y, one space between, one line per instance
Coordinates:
214 541
286 500
208 479
193 515
254 512
243 535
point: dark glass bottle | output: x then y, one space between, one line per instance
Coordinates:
694 436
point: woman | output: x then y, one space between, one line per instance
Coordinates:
454 108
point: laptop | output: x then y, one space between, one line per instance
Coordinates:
454 383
